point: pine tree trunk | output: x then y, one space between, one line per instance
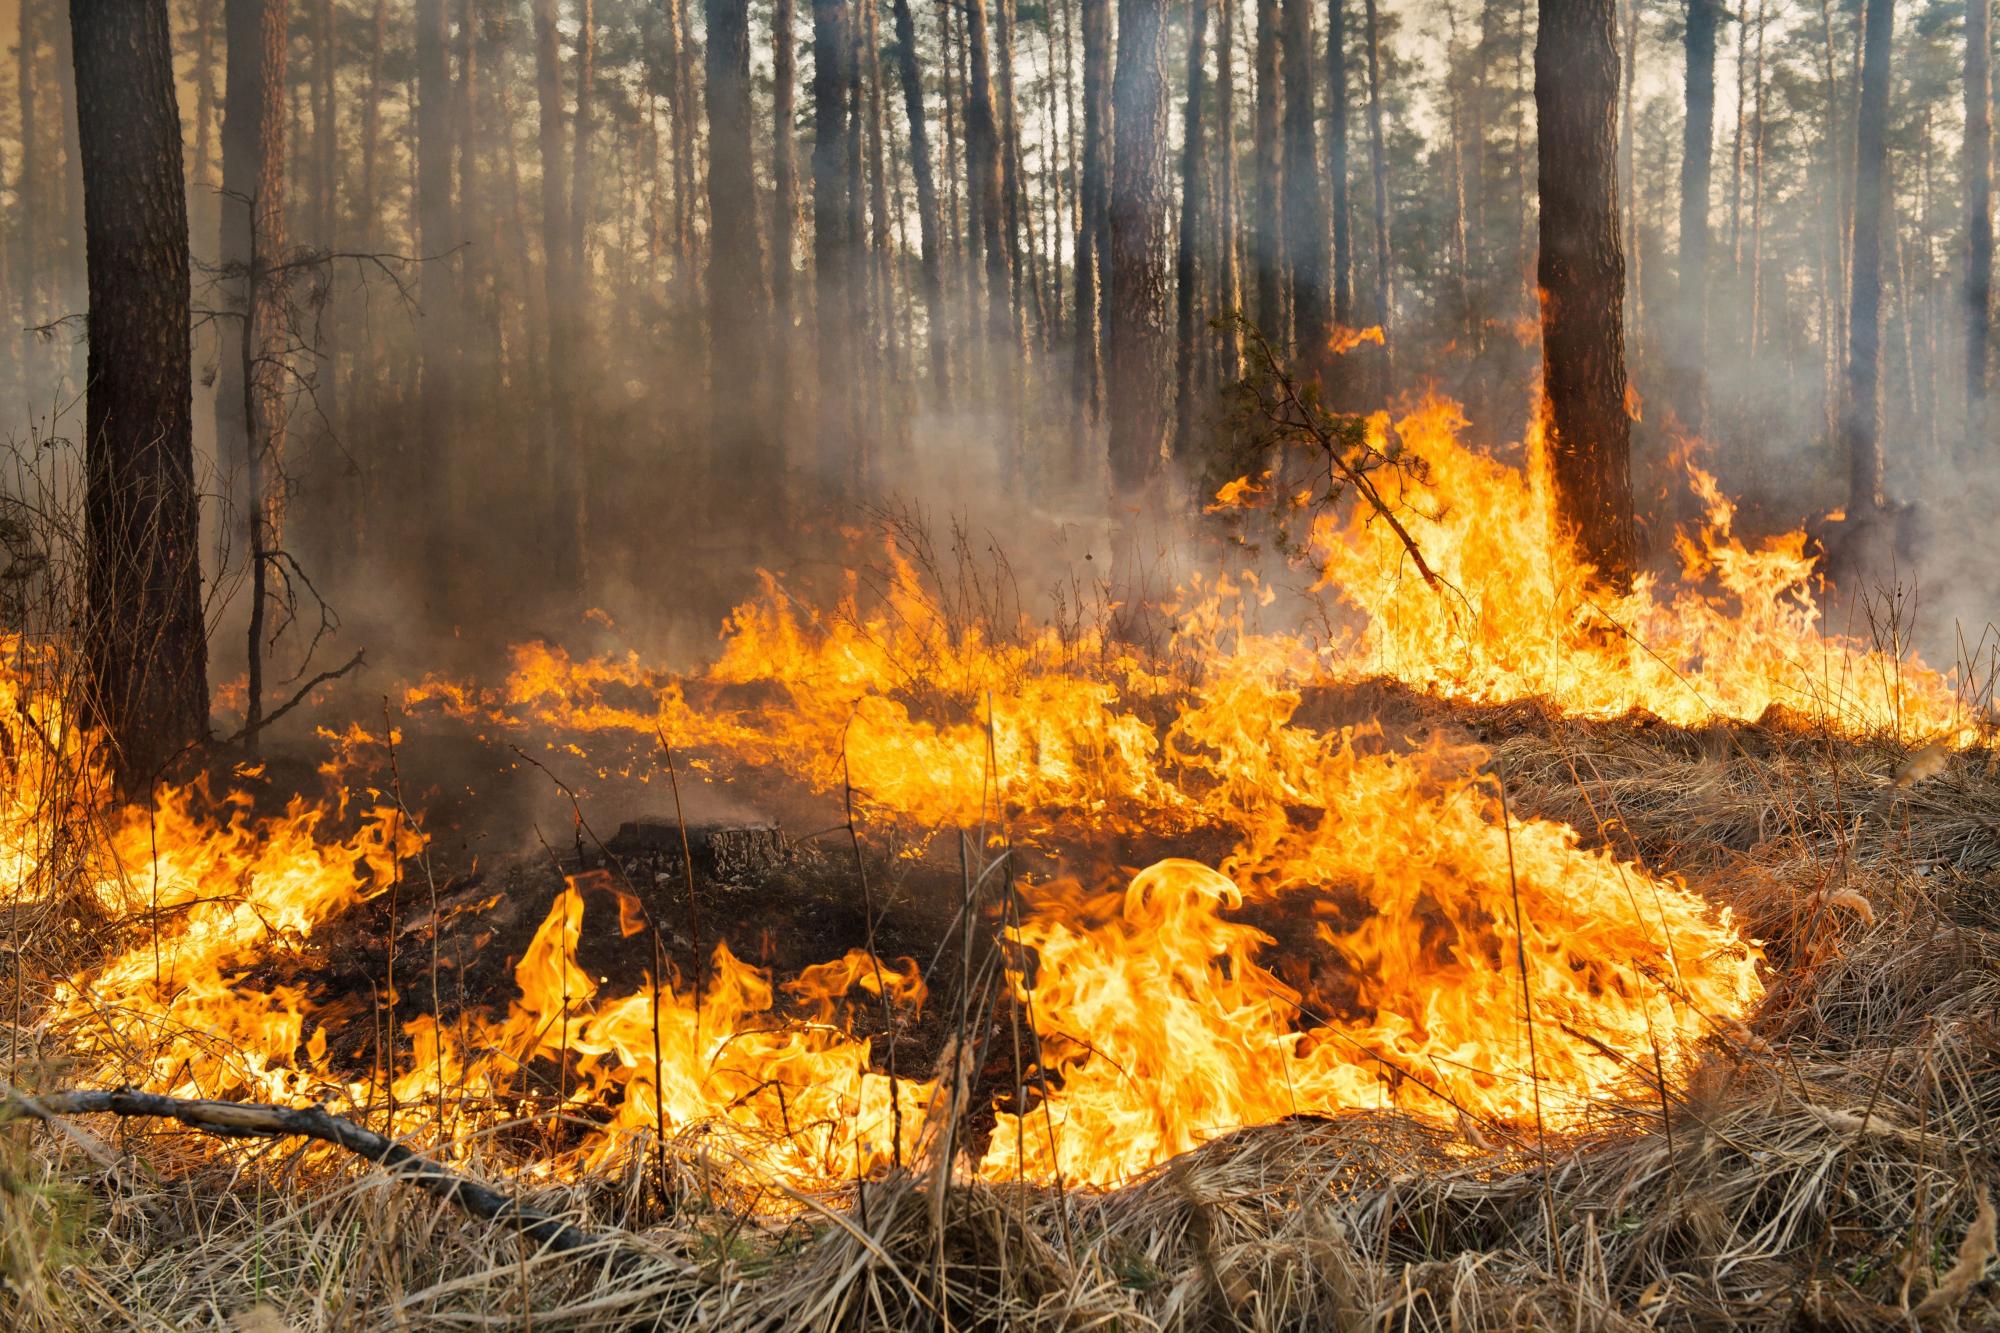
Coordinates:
984 182
436 237
744 440
564 442
1304 223
1267 263
264 340
1378 166
1336 162
784 197
1094 198
1737 137
144 635
1136 336
1697 162
928 222
1978 173
1861 400
1009 148
1229 282
242 54
831 309
1193 204
1582 278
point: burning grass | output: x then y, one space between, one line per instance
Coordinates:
1261 991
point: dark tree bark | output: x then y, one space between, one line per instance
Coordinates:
1336 161
1378 169
1697 163
1978 214
1267 265
242 58
1009 149
1136 336
1193 207
1305 213
736 260
1094 195
928 222
984 181
1582 276
144 637
832 51
1861 403
1229 283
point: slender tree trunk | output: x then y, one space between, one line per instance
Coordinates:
984 186
1094 200
241 112
1336 162
1378 166
1460 261
1697 160
264 339
1186 278
928 222
1304 224
1267 263
437 287
30 182
1861 403
1229 286
831 52
144 637
564 442
784 197
736 314
1978 173
1757 198
1136 337
1009 148
1582 279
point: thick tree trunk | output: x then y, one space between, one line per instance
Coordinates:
1336 162
1697 163
1978 172
1193 205
928 221
144 637
1094 197
1136 337
1267 265
1582 277
1305 212
1861 401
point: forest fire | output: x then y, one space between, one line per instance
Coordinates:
1480 968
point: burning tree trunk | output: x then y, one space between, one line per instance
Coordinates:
1697 161
1136 339
1305 214
735 259
144 634
1193 203
1861 402
1266 261
1582 276
1336 160
1978 214
927 197
1092 200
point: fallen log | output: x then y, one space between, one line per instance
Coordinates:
260 1120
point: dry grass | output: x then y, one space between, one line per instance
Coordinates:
1832 1165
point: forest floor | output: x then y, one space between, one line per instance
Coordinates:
1836 1164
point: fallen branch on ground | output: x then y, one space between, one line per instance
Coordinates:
258 1120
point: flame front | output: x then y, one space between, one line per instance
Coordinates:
1466 963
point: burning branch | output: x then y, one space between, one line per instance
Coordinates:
257 1120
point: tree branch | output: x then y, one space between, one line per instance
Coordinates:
299 698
